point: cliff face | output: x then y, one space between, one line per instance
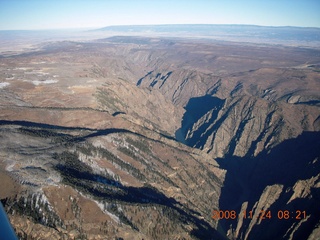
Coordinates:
282 180
246 125
143 138
262 126
239 113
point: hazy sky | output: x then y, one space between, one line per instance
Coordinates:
55 14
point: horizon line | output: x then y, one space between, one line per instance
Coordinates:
155 25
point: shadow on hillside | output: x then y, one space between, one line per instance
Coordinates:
94 132
103 188
196 108
81 177
285 164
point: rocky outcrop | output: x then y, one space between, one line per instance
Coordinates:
262 106
252 120
245 126
282 180
140 106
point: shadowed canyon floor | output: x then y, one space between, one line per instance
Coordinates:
144 137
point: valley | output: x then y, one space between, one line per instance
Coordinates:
143 137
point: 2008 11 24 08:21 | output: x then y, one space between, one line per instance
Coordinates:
263 214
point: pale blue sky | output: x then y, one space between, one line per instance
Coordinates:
56 14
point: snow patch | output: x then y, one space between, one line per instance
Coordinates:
10 166
21 68
38 62
49 81
103 208
4 84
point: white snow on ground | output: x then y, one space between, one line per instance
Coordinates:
103 208
4 84
21 68
49 81
10 165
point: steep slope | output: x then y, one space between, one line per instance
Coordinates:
246 125
261 99
283 180
263 125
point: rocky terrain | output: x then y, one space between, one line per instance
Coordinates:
146 138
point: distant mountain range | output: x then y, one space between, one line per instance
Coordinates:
199 27
227 32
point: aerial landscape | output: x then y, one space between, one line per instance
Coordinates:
131 124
